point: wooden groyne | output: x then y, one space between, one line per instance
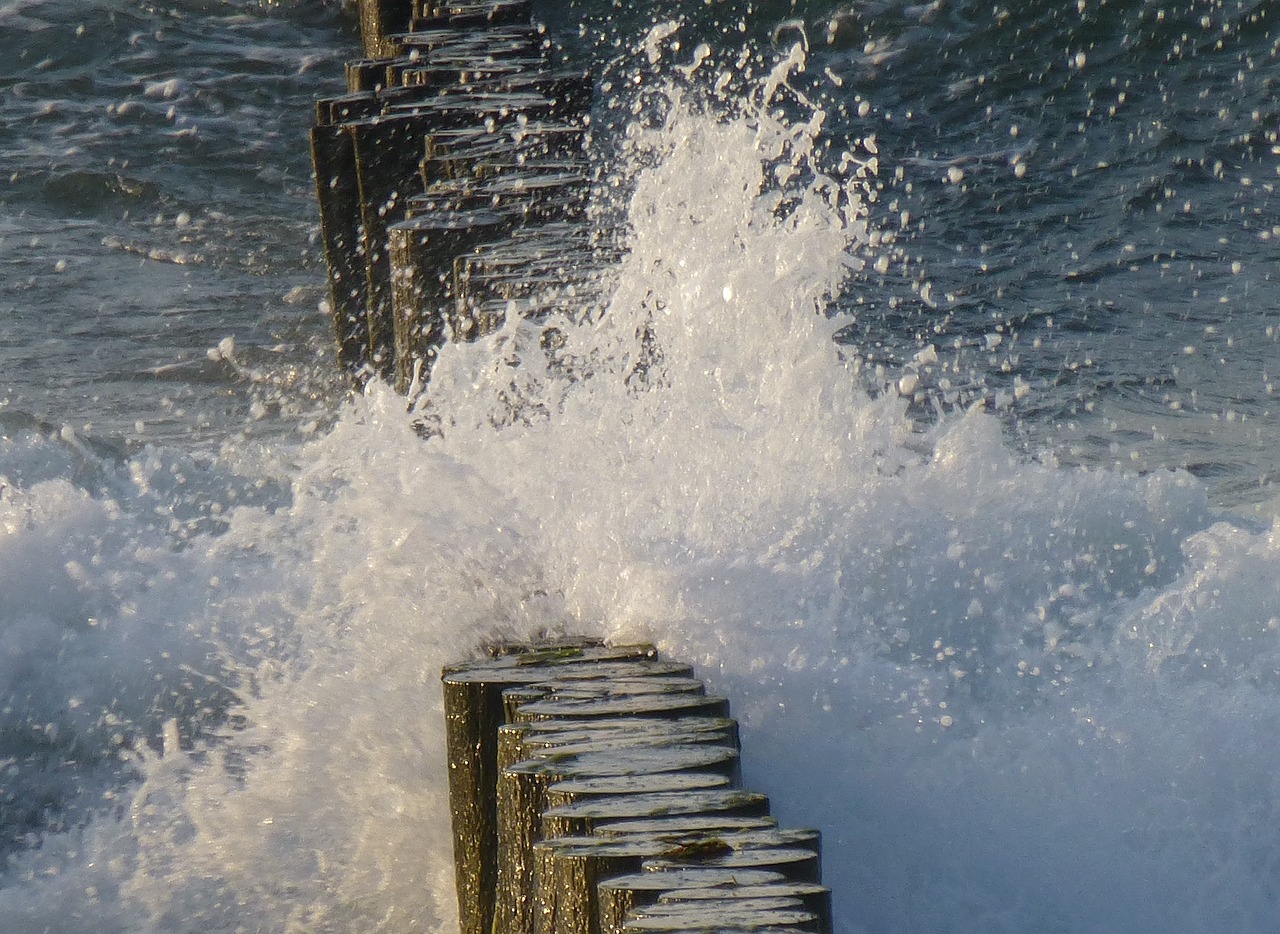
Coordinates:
453 183
597 790
593 789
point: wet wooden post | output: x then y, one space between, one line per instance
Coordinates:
796 863
810 896
473 714
722 919
533 738
338 196
381 19
421 294
523 791
618 896
580 818
622 773
569 870
339 199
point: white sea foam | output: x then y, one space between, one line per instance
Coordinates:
1014 697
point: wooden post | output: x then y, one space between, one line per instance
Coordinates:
661 707
562 794
581 817
721 918
797 864
380 19
473 713
617 897
523 794
811 896
683 825
338 194
513 698
567 872
520 741
421 294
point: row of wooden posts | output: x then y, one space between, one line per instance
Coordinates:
453 183
596 790
593 789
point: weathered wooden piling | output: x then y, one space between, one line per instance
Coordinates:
619 896
709 824
524 793
722 919
379 20
570 791
797 864
574 763
473 712
659 707
338 194
811 896
567 872
433 68
581 817
422 298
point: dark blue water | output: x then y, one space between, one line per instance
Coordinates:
155 201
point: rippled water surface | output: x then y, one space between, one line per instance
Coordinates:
158 201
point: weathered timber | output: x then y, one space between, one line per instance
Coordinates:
618 896
682 825
566 875
568 871
798 864
473 714
472 15
570 791
530 278
812 897
520 741
379 19
721 920
604 792
520 826
454 153
724 912
388 162
523 797
338 194
494 41
421 297
514 698
660 707
429 67
582 817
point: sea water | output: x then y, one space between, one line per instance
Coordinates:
930 414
